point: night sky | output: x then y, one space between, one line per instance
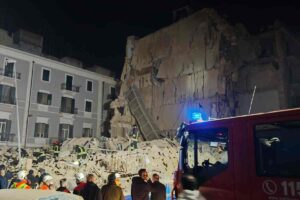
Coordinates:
95 31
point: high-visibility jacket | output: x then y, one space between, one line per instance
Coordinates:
56 149
21 185
44 187
82 151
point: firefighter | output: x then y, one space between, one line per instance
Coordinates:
56 149
21 182
134 138
47 182
81 152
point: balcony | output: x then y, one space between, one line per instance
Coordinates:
7 99
68 110
72 88
10 74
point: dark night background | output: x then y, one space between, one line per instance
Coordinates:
95 31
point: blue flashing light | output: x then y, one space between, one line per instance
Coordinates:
196 116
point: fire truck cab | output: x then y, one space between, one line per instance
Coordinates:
248 157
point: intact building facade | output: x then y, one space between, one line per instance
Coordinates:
47 100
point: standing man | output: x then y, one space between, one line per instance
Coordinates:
112 190
3 179
158 189
141 186
79 182
91 191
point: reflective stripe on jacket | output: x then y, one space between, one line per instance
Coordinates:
21 185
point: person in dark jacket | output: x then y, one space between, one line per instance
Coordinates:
112 190
91 191
42 174
32 179
158 191
63 186
3 179
141 186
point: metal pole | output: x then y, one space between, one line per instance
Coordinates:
28 110
17 113
252 100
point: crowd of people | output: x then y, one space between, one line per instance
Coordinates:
142 188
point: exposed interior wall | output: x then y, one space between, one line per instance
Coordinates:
202 61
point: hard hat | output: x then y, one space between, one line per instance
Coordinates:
21 174
113 176
47 178
79 176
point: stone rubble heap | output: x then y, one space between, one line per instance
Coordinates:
104 156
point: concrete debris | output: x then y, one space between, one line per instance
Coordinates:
103 157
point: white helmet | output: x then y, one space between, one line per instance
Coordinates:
21 174
79 176
47 178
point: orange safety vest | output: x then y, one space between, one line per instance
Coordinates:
44 187
21 185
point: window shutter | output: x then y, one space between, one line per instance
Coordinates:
35 130
73 105
70 131
49 99
12 95
60 136
7 131
63 103
39 97
46 130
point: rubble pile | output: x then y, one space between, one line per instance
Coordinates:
103 157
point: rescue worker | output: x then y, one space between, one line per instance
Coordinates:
21 182
63 186
134 138
81 152
56 149
47 182
80 183
42 174
112 190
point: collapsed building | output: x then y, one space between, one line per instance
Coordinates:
202 61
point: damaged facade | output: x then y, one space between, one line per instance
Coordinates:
203 61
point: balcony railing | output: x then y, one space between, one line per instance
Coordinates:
68 110
72 88
9 74
7 99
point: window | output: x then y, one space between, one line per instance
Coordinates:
44 98
68 105
89 86
277 149
87 132
46 75
9 68
41 130
7 94
113 92
65 131
88 106
5 129
206 154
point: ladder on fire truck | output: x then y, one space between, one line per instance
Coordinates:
137 108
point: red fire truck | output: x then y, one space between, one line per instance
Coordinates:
247 157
